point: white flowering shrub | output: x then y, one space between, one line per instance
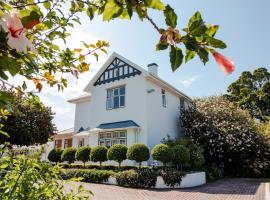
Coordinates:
228 136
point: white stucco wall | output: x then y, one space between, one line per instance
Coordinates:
161 121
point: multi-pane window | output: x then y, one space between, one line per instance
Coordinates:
164 99
110 138
116 97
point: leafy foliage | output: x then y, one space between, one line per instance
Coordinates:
143 178
180 155
118 153
98 154
171 177
251 91
29 122
83 154
28 178
162 153
55 155
138 152
228 136
69 155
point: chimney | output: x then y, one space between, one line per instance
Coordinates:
153 69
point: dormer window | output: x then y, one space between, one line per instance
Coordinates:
164 99
116 97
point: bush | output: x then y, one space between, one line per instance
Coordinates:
68 155
171 177
118 153
143 178
98 167
55 155
180 155
89 176
83 154
98 154
228 136
138 152
162 153
196 157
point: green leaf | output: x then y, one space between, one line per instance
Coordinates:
47 5
162 46
1 13
189 55
155 4
203 54
9 64
196 17
211 30
55 47
170 16
176 57
91 12
28 16
196 25
213 42
111 10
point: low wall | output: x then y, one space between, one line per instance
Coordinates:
189 180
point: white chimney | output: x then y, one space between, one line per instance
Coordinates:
153 69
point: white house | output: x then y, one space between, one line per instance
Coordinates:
126 104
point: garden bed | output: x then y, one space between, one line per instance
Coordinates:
139 178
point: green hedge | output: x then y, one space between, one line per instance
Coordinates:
92 166
143 178
88 175
171 177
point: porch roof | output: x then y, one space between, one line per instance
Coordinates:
121 124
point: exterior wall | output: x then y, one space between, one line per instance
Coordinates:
162 121
93 113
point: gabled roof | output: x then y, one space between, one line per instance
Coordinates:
150 77
66 131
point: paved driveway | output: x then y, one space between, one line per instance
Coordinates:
225 189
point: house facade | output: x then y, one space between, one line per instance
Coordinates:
127 104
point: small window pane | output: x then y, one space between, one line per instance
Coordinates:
115 142
109 135
116 91
123 142
116 102
115 134
108 143
122 134
102 142
122 101
122 90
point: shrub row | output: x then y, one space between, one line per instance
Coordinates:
178 154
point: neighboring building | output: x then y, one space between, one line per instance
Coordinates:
63 139
125 104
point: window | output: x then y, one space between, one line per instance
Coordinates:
110 138
81 142
164 99
116 97
65 143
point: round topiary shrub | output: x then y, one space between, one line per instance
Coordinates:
180 155
99 154
83 154
138 152
118 153
55 155
68 155
162 153
196 157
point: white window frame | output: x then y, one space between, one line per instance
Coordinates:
164 98
111 97
112 137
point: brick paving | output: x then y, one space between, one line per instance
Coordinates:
225 189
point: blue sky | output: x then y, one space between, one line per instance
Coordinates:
244 27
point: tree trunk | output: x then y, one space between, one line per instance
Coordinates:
100 164
140 165
83 164
119 165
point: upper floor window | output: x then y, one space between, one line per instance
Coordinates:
116 97
164 99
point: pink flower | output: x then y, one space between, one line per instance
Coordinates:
11 23
225 64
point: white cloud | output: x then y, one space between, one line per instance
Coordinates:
187 82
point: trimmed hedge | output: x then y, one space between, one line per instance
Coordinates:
88 175
68 155
55 155
181 155
138 152
99 154
162 153
118 153
143 178
83 154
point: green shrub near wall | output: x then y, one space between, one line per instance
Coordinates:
83 154
162 153
138 152
99 154
143 178
55 155
171 177
118 153
181 155
68 155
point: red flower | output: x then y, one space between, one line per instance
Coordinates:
225 64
